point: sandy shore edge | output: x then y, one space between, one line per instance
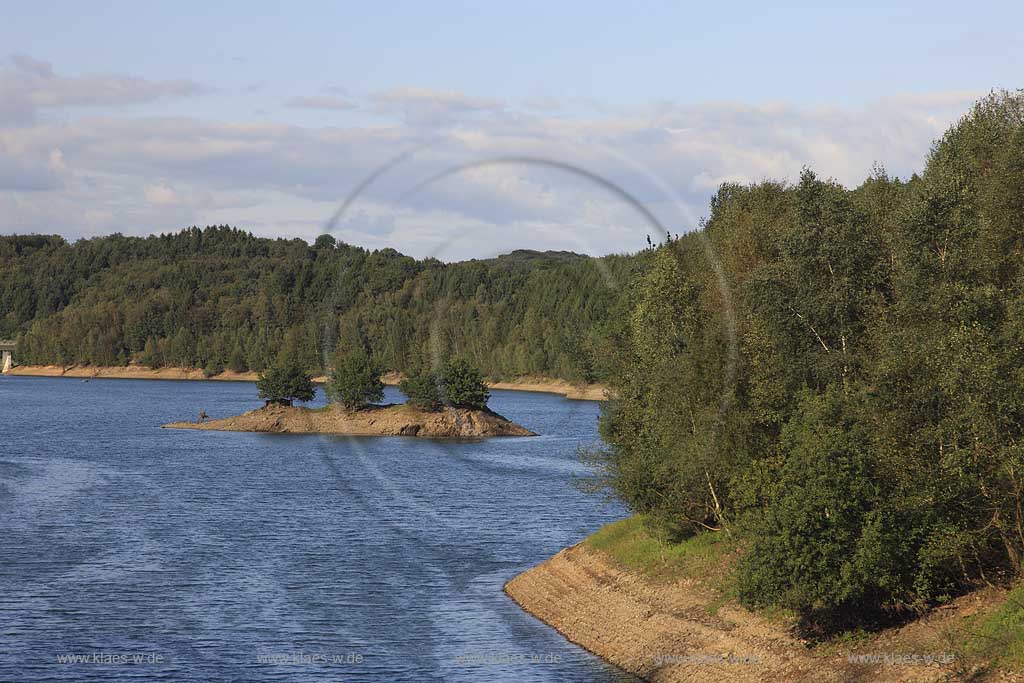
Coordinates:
681 631
584 392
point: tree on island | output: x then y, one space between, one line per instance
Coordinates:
462 385
286 381
423 389
355 380
456 383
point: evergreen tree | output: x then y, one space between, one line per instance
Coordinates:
355 380
462 385
286 381
423 389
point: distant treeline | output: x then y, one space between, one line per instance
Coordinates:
835 378
219 298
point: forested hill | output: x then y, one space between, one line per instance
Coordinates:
220 298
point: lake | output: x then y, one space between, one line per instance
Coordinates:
136 553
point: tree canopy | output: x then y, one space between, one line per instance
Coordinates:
462 385
355 380
286 381
218 297
423 389
836 377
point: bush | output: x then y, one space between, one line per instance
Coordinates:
463 385
826 544
423 389
355 381
284 382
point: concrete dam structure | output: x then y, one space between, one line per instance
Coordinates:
6 355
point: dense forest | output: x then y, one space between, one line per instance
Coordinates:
219 298
835 378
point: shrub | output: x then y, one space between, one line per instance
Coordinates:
826 545
355 380
463 385
286 381
423 389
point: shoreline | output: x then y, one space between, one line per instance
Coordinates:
683 630
657 633
547 385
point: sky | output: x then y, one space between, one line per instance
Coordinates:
464 130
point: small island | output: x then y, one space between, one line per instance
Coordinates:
449 402
390 420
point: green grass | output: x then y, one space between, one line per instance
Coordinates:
999 636
635 545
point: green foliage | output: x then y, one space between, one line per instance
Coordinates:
823 540
423 389
213 367
835 377
456 383
222 294
463 385
355 380
152 354
664 459
237 361
286 381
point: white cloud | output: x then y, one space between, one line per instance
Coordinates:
28 166
28 84
137 175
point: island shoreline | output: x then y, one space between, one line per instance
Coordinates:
398 419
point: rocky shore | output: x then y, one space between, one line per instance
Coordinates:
390 420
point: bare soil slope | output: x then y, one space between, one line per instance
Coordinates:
391 420
684 631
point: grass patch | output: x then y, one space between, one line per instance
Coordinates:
999 636
636 545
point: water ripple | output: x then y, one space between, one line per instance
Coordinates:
250 557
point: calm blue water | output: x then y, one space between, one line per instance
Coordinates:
168 555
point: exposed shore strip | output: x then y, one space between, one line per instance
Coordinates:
583 392
682 631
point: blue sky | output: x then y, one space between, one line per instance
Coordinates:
141 117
